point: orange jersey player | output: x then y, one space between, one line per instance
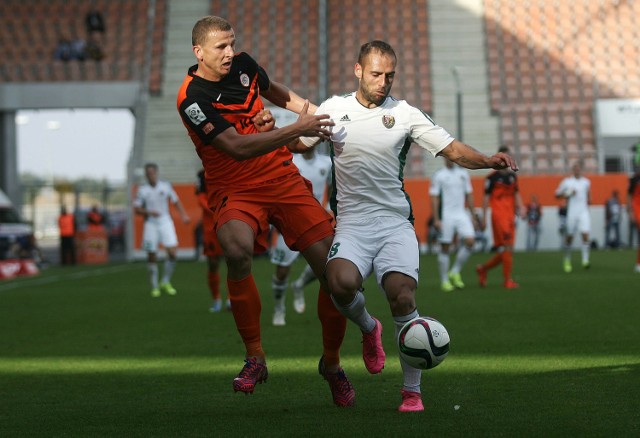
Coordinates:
211 247
253 183
503 196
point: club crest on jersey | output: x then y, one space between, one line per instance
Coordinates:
244 80
388 121
195 114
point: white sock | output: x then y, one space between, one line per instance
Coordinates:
357 312
153 274
567 252
279 288
306 277
461 259
410 374
586 248
169 266
443 266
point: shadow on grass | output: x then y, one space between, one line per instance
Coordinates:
588 402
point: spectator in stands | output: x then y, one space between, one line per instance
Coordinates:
78 46
534 214
64 50
613 211
94 22
93 50
66 224
95 219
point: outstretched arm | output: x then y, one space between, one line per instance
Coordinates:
280 95
466 156
243 147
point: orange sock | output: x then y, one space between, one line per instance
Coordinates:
334 326
507 260
213 278
246 307
494 261
638 260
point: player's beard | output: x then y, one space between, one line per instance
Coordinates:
371 96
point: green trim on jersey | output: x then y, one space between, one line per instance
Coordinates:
333 196
402 158
427 116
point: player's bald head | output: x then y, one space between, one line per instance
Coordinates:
205 26
376 46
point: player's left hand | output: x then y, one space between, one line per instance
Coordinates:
503 161
264 121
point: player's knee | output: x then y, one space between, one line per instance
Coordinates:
343 283
403 303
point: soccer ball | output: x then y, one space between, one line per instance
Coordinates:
423 343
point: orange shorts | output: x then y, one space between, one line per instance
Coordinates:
287 203
504 230
211 246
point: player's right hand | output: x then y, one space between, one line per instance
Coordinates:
311 125
264 120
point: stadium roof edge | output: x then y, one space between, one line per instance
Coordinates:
69 95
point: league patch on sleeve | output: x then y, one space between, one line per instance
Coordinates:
195 113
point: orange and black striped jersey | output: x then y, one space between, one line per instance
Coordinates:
208 108
634 191
502 188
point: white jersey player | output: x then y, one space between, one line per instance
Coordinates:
374 231
577 190
152 201
316 169
452 209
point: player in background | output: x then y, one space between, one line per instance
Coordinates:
317 169
253 183
501 193
152 202
451 193
374 228
633 208
576 189
534 216
211 248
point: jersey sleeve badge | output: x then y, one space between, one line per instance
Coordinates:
195 114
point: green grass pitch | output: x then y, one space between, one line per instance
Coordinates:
86 351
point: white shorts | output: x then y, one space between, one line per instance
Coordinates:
580 222
456 223
380 245
159 232
281 255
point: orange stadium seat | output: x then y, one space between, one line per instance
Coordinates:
48 21
549 56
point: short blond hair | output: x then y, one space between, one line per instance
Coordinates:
205 26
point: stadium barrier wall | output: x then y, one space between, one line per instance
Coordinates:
543 186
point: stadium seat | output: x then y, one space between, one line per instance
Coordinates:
125 23
549 56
